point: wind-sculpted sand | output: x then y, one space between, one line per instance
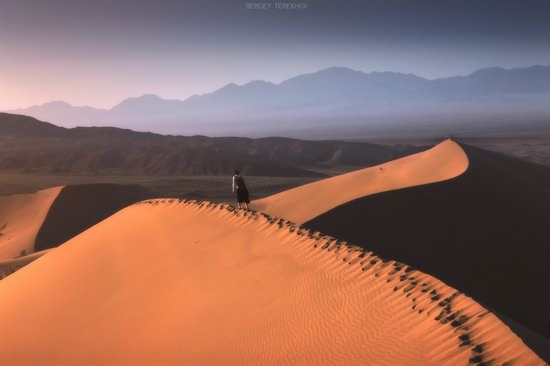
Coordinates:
168 282
444 161
485 232
10 266
21 217
43 220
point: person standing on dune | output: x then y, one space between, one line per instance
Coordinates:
242 192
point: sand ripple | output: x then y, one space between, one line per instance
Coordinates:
182 282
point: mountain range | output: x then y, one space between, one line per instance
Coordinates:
325 99
31 146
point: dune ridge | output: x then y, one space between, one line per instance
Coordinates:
485 232
80 206
10 266
21 217
239 287
445 161
45 219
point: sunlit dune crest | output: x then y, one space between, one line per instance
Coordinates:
444 161
21 217
179 282
9 266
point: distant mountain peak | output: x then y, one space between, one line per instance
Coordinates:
229 86
538 67
143 102
144 97
149 96
57 102
335 92
259 83
489 70
55 105
338 69
52 104
334 71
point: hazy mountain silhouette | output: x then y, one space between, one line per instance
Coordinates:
336 93
497 81
31 146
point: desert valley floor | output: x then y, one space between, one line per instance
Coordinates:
331 272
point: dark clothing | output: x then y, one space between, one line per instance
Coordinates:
239 182
242 195
240 187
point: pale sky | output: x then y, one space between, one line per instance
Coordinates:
100 52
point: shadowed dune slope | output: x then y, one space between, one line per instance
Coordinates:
79 207
21 217
444 161
486 232
48 218
170 282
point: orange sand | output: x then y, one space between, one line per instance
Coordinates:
179 283
9 266
21 216
301 204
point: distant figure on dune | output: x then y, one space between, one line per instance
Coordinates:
242 192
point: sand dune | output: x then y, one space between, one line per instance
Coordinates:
21 217
445 161
10 266
81 206
171 283
486 232
46 219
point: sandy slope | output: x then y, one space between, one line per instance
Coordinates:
178 283
21 217
445 161
10 266
81 206
48 218
485 232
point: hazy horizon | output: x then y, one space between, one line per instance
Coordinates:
99 53
240 84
